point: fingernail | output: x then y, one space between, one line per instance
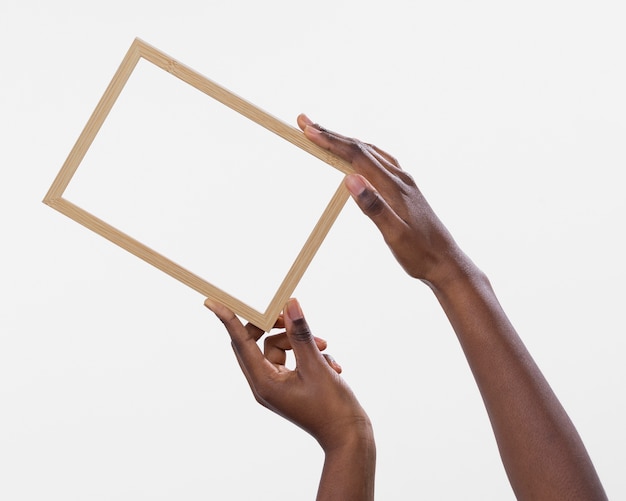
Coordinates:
209 304
337 366
355 184
333 363
293 310
312 131
306 119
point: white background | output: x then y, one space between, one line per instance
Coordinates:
115 382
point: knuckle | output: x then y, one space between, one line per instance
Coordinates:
406 178
371 203
389 158
227 321
393 160
357 149
277 341
301 331
235 344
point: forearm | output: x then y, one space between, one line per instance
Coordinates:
349 469
541 450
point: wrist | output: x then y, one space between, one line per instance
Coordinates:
353 434
350 466
454 268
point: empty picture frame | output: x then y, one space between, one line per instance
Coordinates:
54 198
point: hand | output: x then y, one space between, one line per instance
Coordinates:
542 453
389 196
313 395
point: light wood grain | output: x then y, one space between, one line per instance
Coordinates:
94 124
54 196
239 104
308 251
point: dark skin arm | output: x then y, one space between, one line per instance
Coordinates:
312 396
543 455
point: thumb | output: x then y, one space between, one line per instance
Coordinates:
308 355
372 203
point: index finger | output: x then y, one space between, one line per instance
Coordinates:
244 340
375 164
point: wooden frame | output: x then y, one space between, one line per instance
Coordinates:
54 197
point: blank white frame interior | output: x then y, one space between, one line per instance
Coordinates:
54 198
